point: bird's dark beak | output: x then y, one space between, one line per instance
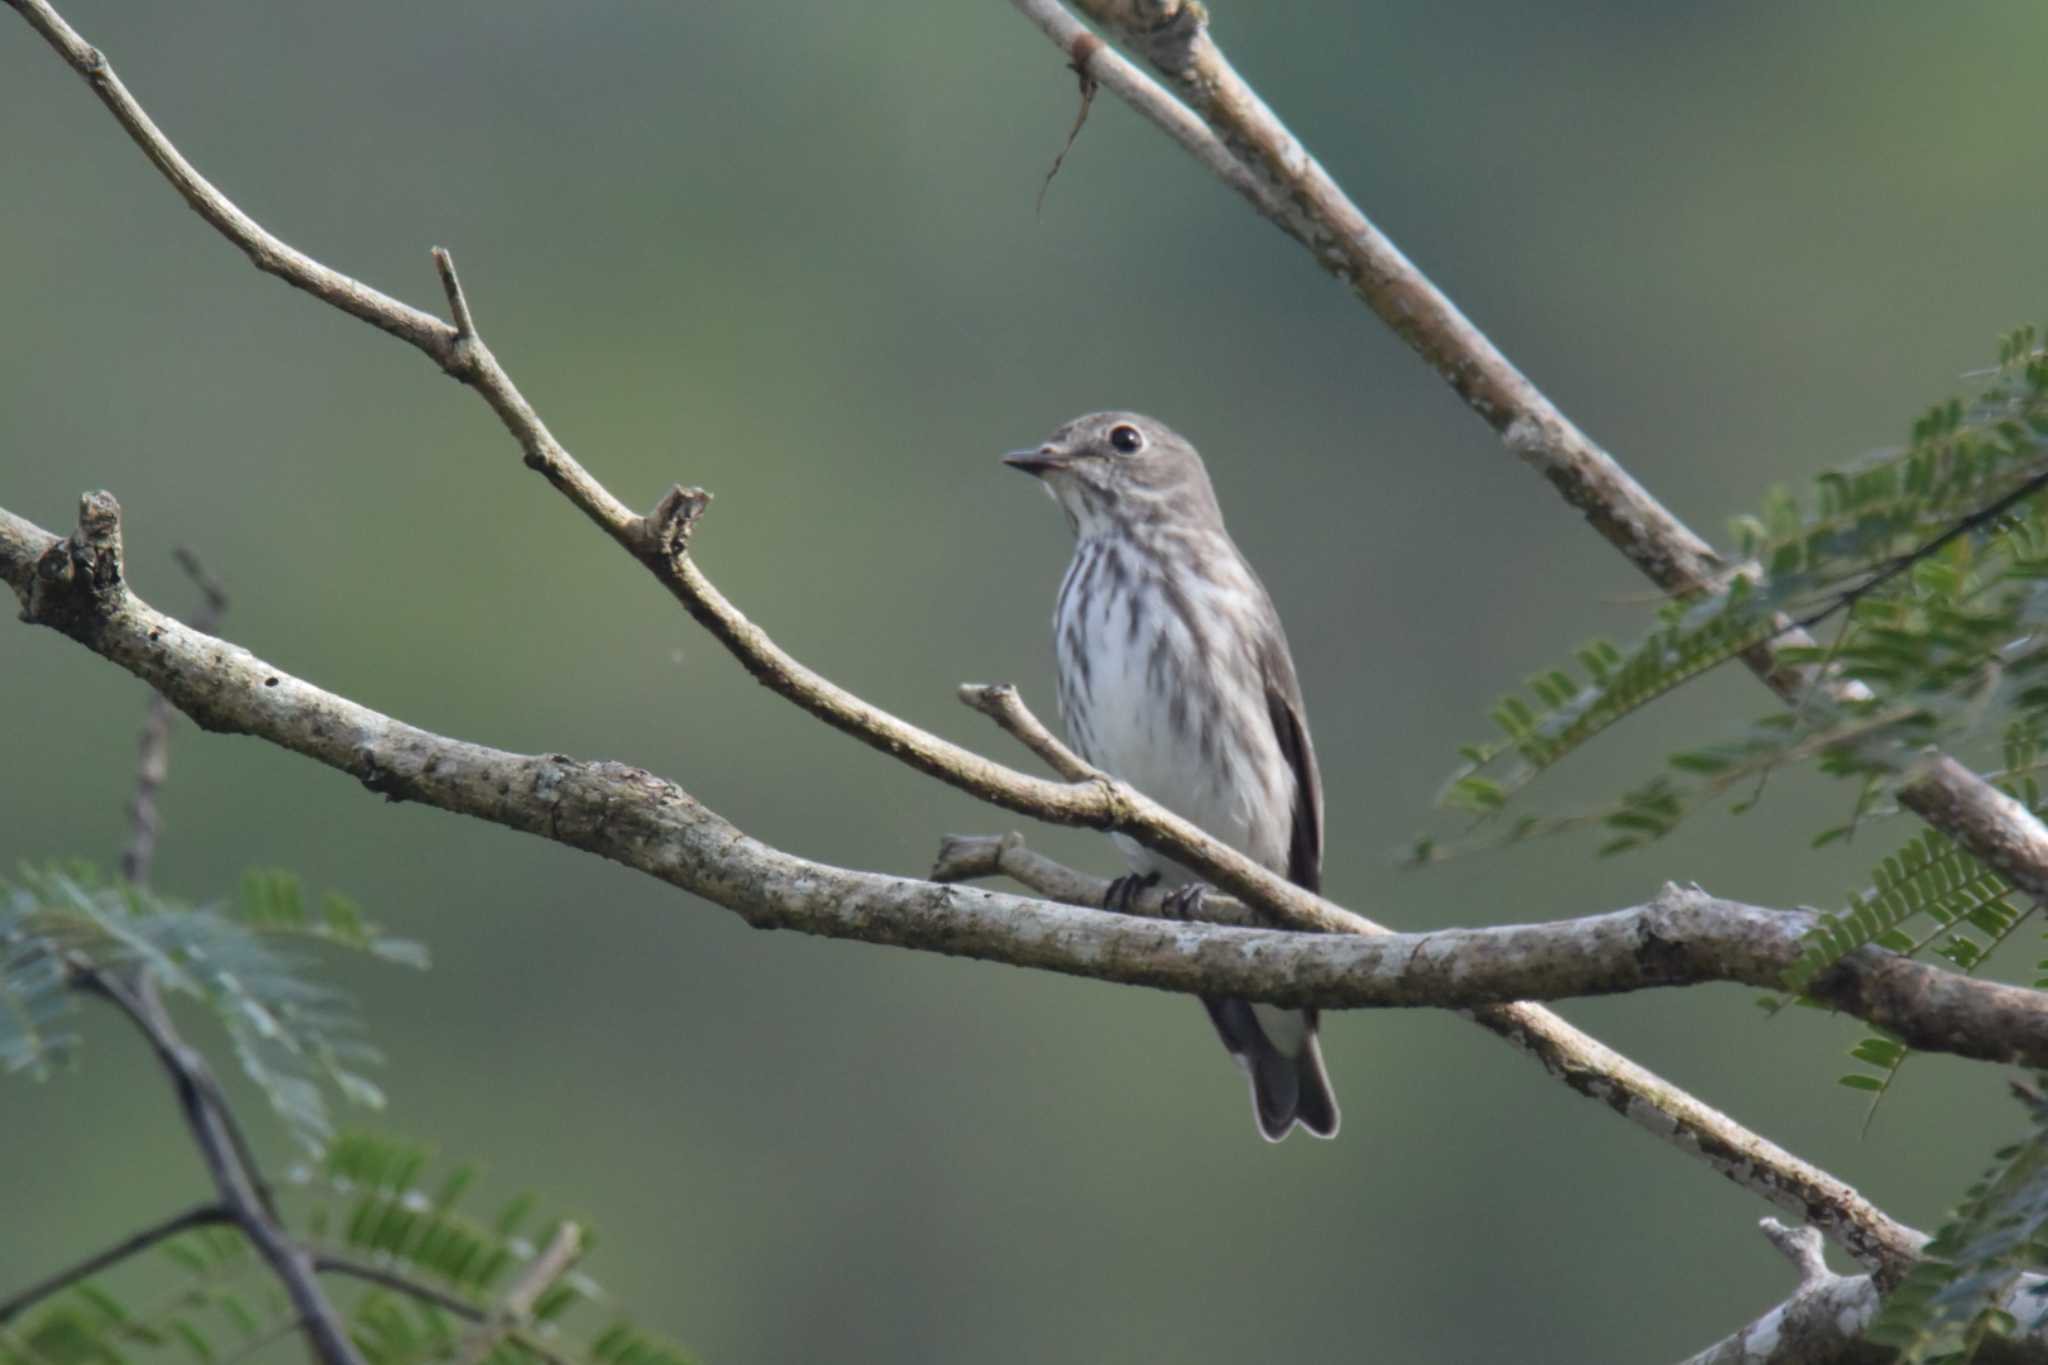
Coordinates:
1036 463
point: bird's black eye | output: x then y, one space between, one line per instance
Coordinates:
1126 438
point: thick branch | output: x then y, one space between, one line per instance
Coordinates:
1681 937
1823 1321
638 820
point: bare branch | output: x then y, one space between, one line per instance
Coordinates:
200 1215
1174 37
266 252
1681 937
458 302
1095 60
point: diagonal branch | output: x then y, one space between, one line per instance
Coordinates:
1002 703
73 592
1302 198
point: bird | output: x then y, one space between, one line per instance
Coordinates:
1174 676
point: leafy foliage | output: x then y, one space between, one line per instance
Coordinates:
426 1272
1567 713
1932 561
378 1202
34 990
1931 875
367 1198
213 1311
245 959
1969 1286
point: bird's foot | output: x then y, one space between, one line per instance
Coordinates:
1185 902
1124 890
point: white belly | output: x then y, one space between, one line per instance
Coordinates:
1189 728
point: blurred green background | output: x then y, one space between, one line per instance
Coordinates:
790 253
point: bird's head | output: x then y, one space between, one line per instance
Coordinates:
1112 468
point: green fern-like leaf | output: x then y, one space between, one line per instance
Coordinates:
293 1035
386 1202
1930 564
1956 892
1882 1054
1930 875
207 1317
1566 713
378 1205
380 1199
1962 1291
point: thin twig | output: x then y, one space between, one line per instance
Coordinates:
1982 517
1002 703
451 286
513 1311
236 1183
1092 59
338 1264
1089 85
199 1215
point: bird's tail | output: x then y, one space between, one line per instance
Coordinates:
1278 1050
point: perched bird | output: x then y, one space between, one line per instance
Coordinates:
1174 676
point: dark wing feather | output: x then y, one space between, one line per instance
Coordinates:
1290 725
